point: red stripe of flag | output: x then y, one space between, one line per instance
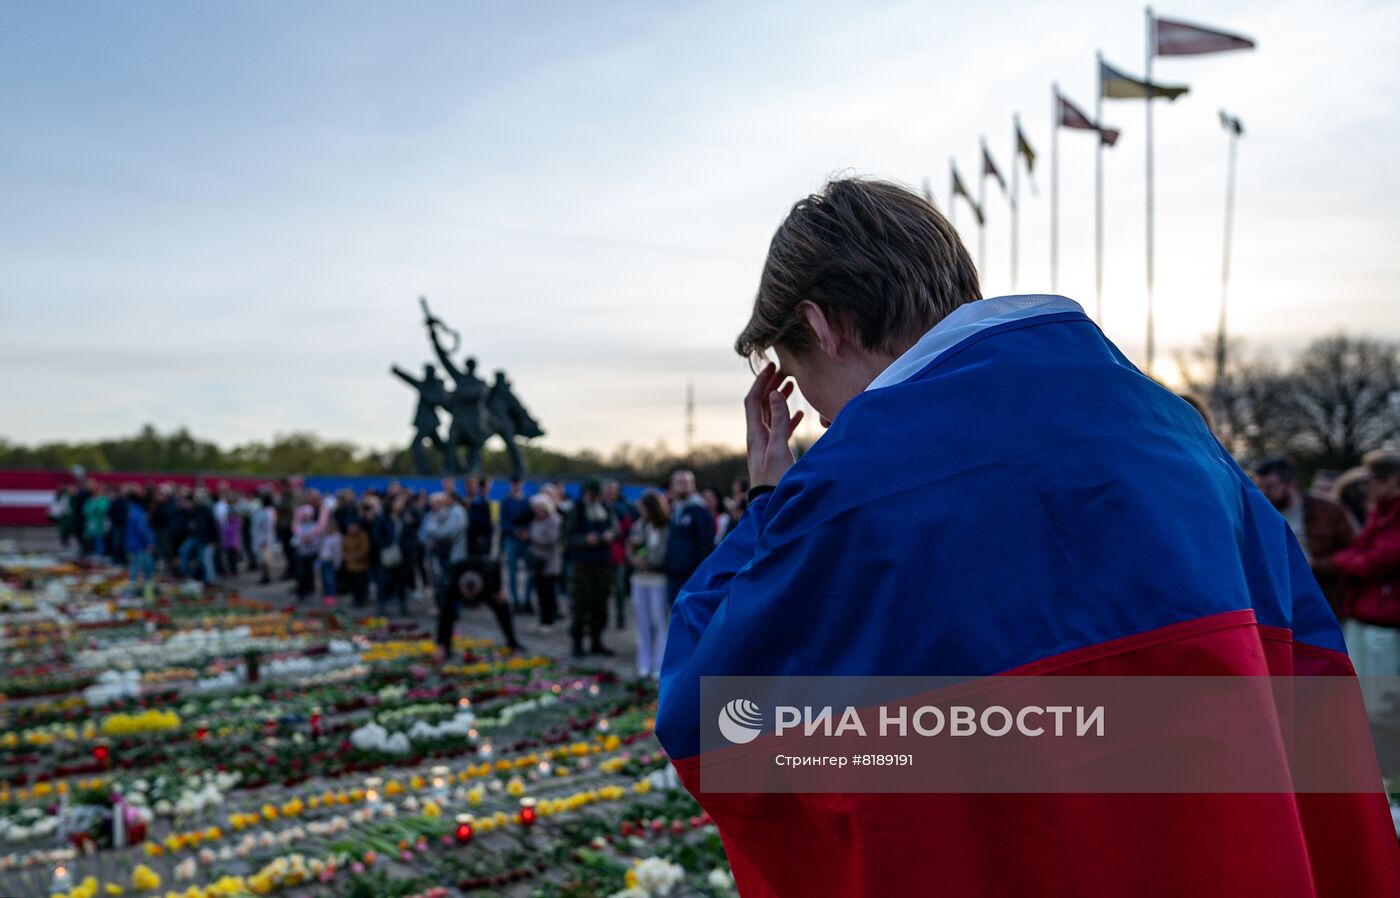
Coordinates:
1184 39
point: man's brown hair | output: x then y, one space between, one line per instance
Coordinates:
869 253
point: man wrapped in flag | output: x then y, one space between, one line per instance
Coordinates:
998 491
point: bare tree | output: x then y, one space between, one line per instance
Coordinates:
1251 405
1345 398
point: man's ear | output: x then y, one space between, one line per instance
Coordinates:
827 332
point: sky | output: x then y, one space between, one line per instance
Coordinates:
221 215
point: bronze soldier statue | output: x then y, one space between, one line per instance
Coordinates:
510 419
478 413
432 395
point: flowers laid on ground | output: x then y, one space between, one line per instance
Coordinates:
194 744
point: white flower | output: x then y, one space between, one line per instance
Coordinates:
720 879
631 893
658 876
186 869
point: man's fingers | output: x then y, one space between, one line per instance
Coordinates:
796 420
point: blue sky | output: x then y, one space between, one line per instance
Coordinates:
221 215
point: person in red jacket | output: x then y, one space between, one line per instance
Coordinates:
1371 570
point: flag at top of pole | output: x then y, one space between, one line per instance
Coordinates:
1070 116
960 190
990 168
1025 151
1119 86
1176 38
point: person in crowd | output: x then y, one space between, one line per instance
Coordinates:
116 525
414 514
515 516
222 507
564 504
481 529
1320 523
394 536
82 491
474 581
286 505
544 536
1000 491
1323 480
95 520
262 536
445 536
591 527
647 555
306 546
329 557
710 496
1371 570
140 541
622 571
188 553
205 527
60 514
691 536
1352 488
355 550
230 531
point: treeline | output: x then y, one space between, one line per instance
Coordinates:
180 451
1325 407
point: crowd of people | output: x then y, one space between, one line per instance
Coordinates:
1348 526
588 555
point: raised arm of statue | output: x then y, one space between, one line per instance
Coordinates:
405 376
442 353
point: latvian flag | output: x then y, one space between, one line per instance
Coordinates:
1119 86
990 168
1072 117
1183 39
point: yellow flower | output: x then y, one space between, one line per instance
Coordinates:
269 811
631 879
516 787
642 787
112 888
144 879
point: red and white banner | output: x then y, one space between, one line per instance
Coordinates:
25 495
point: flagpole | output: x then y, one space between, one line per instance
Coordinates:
1015 193
1098 194
1055 188
982 221
1151 51
1221 343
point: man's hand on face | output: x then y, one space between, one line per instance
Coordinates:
770 426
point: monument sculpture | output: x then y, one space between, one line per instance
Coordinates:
477 411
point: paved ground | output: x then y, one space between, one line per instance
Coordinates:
480 621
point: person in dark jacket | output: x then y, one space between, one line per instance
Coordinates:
481 530
1371 568
1320 524
395 537
691 536
474 581
592 525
